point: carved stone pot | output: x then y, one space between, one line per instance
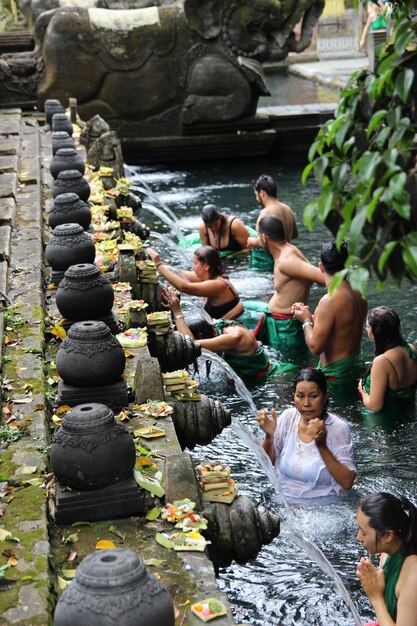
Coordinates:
84 294
199 422
173 350
130 199
68 207
51 107
60 121
66 159
238 531
114 587
68 245
61 139
92 450
90 356
71 181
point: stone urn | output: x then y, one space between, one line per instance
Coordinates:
71 181
61 139
198 423
60 122
173 350
66 159
92 450
114 587
68 245
68 207
90 356
238 531
51 107
84 293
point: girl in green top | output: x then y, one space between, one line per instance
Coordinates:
393 373
388 525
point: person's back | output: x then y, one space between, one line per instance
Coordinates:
343 313
290 283
273 206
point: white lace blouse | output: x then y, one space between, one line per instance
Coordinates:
303 471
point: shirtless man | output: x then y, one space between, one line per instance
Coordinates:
293 277
265 191
335 330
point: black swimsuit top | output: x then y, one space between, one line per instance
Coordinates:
219 310
232 244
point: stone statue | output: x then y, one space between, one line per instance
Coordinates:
162 70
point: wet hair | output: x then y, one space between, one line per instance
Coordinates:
386 328
265 183
273 228
201 328
210 213
387 512
311 375
211 256
332 258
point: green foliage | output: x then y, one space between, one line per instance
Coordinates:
365 162
8 435
10 17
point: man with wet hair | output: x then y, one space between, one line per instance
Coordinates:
335 330
265 191
293 277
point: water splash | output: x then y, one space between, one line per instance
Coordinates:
199 307
164 217
317 555
239 384
149 193
171 244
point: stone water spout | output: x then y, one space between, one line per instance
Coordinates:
173 350
198 423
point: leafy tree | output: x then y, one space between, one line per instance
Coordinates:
365 161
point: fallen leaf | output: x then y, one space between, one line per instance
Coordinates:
155 562
58 330
69 573
33 481
57 420
80 524
12 561
71 555
52 286
122 416
73 538
63 409
39 407
153 514
105 544
117 532
62 583
22 400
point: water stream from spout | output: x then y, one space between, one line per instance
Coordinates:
164 217
171 244
148 192
313 551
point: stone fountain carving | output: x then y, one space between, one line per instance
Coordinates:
207 54
198 423
173 350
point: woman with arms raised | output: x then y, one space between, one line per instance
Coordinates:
393 373
205 280
388 526
310 447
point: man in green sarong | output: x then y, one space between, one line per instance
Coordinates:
335 331
265 191
293 277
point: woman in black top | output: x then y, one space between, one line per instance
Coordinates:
206 280
225 233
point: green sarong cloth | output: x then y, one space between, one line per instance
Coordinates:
192 241
392 568
256 366
285 335
343 375
261 260
379 23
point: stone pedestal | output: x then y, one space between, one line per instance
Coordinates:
114 396
121 500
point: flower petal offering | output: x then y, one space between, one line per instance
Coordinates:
133 338
155 408
208 609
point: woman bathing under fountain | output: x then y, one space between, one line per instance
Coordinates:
225 233
205 280
388 526
310 447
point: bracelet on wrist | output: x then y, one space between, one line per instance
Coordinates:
178 317
159 263
307 323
